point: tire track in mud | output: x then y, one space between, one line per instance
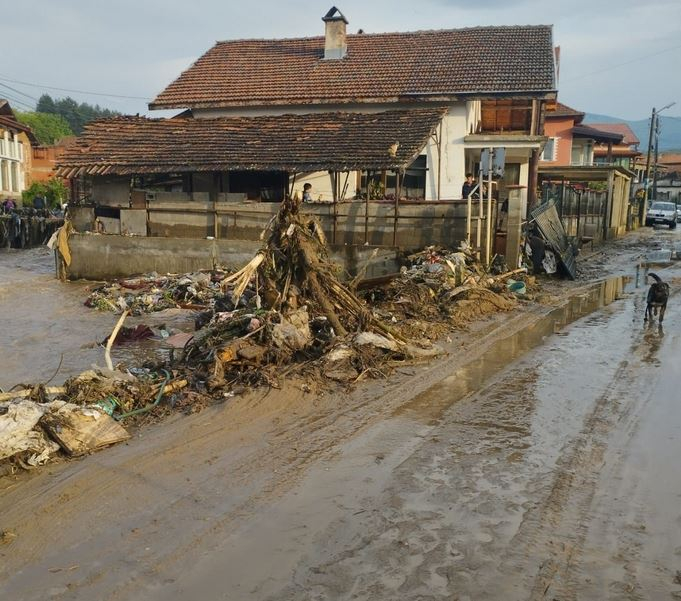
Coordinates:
554 533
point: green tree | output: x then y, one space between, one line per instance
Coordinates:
45 104
53 190
47 128
76 115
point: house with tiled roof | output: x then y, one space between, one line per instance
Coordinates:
625 153
15 153
570 142
387 117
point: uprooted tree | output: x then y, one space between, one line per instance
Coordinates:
293 268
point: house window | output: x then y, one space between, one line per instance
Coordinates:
549 153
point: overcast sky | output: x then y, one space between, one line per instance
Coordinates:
618 57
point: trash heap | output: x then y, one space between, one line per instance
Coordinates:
288 310
440 290
39 423
153 292
287 305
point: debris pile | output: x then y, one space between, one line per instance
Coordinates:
153 292
288 309
82 416
295 307
442 289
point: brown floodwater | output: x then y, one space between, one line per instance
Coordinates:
44 322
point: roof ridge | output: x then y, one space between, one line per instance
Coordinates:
390 33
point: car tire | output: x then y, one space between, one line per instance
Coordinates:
672 225
649 223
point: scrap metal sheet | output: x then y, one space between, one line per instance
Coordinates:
551 227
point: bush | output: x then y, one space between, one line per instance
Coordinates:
54 191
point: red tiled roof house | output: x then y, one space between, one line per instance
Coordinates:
572 143
406 112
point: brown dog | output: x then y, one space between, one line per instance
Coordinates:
658 295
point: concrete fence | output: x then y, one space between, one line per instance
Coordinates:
108 256
380 223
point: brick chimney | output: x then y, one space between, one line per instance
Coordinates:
335 45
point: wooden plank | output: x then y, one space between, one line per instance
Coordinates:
79 433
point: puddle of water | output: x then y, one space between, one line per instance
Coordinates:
659 256
430 404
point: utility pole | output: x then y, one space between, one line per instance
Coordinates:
647 176
654 126
657 143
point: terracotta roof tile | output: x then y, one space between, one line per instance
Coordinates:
630 138
294 143
563 110
379 67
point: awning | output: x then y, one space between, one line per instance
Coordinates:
292 143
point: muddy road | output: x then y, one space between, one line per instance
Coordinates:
539 461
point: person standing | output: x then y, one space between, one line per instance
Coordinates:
307 192
468 186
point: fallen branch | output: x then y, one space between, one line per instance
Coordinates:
109 343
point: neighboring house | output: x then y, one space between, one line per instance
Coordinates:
669 177
569 141
478 87
624 154
16 140
45 159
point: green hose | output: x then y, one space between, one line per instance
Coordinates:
151 405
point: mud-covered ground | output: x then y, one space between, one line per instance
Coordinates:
524 465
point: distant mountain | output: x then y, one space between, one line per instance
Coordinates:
670 130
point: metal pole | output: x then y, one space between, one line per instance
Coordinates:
469 217
397 205
657 142
366 211
481 216
488 241
647 176
439 163
335 213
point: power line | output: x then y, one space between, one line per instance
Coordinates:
635 60
17 101
4 85
35 85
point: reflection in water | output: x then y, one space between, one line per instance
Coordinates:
652 338
429 405
46 325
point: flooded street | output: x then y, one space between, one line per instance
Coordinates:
541 465
557 480
45 323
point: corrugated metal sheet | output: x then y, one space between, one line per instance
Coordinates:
549 224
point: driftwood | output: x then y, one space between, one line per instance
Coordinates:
27 392
112 338
295 254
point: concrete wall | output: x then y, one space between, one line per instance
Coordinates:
101 256
111 190
418 224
